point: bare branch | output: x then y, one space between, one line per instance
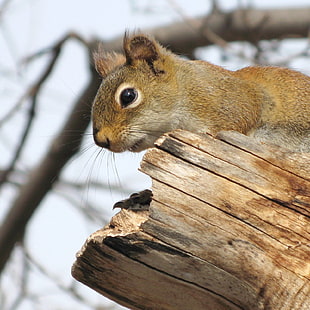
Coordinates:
23 282
93 184
44 176
51 49
33 93
230 27
69 289
93 214
210 35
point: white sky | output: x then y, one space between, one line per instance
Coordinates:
57 232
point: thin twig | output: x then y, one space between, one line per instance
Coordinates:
52 49
33 93
5 118
93 184
62 287
42 178
91 213
207 32
23 283
47 50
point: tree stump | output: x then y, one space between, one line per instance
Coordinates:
228 228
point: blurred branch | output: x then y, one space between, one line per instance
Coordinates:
35 88
46 173
285 60
238 25
80 186
229 26
22 286
90 212
51 49
33 93
71 290
210 35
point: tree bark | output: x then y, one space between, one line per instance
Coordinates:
250 25
228 228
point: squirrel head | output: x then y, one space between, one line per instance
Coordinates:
134 104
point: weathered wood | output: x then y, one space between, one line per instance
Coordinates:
228 228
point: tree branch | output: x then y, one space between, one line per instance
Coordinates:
33 93
46 173
240 25
253 25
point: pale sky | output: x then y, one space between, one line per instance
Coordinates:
57 231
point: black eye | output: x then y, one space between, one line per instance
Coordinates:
128 96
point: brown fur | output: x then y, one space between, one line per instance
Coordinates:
269 103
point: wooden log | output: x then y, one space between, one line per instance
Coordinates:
228 228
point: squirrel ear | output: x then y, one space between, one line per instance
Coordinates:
107 62
141 47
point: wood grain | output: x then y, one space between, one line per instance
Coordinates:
228 228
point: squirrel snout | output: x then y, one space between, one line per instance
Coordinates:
101 141
105 144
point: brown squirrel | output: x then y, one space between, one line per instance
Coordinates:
150 91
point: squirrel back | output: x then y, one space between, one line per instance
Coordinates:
150 91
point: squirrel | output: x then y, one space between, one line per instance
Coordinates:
149 91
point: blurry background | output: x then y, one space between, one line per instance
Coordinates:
44 69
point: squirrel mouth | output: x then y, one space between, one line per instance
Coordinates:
137 146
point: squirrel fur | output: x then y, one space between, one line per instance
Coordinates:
149 91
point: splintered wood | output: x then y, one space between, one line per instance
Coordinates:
228 228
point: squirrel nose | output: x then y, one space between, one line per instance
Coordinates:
105 144
103 141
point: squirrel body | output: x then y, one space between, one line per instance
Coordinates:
150 91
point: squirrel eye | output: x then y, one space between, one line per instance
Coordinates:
128 96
